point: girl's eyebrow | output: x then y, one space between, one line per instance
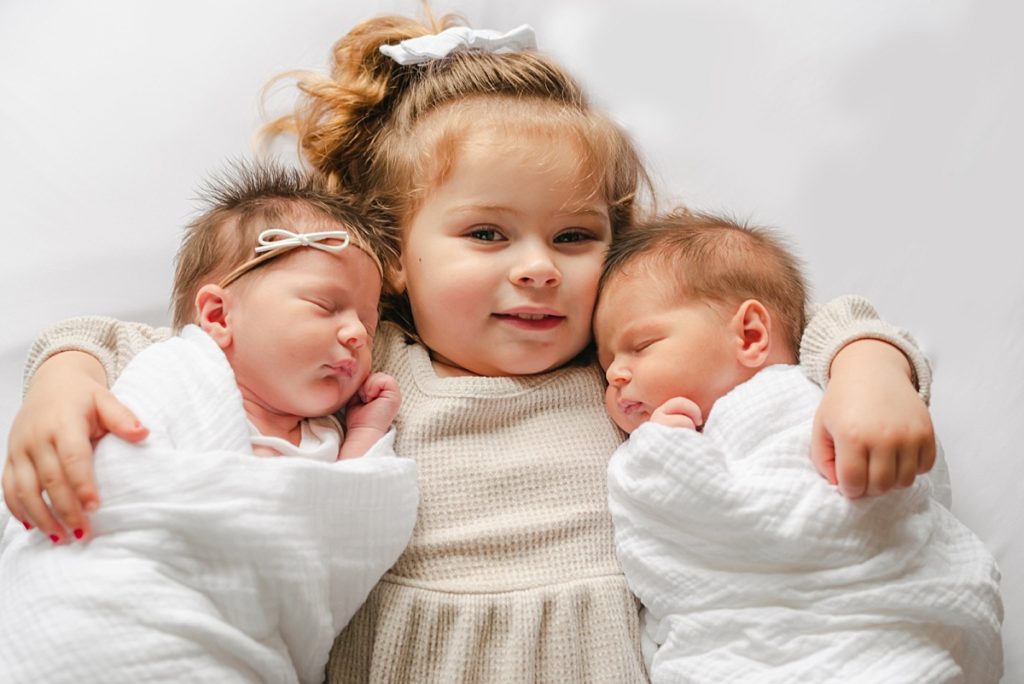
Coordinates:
476 208
502 209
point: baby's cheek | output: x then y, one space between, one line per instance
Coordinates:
611 405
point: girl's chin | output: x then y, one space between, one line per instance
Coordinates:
529 366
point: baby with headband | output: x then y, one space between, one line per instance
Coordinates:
206 563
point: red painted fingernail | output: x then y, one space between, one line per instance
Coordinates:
79 534
54 538
27 526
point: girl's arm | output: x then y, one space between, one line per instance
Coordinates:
68 407
872 431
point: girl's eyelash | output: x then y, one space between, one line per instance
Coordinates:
492 234
574 235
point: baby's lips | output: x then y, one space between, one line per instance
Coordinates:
346 367
628 407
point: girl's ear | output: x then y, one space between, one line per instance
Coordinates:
752 326
212 303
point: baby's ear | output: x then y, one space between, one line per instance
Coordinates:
212 310
396 277
752 326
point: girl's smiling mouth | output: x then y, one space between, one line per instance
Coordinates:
531 320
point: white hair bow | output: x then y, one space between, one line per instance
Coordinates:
274 238
438 45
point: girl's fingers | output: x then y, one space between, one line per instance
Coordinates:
926 459
114 417
823 454
75 454
852 468
29 494
50 477
907 468
882 466
10 497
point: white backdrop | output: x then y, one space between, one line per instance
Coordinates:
883 135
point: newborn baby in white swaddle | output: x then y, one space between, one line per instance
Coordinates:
750 566
206 563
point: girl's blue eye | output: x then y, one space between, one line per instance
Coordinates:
485 234
573 236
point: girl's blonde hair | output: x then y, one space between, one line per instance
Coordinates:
390 132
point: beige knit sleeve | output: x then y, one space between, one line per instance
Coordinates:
112 342
832 326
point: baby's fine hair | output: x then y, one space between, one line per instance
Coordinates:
714 258
392 132
249 197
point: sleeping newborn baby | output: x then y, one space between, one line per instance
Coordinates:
207 563
750 566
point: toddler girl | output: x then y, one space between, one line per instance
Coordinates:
507 188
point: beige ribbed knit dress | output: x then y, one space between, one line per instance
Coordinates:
511 574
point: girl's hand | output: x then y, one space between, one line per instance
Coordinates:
678 412
66 409
872 431
369 414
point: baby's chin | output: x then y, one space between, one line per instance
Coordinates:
628 423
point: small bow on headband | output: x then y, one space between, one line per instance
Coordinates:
275 238
439 45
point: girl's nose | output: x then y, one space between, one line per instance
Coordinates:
352 333
535 269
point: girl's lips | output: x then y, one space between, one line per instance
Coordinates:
528 320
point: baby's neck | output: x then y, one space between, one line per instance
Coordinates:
271 424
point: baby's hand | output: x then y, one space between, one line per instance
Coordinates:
67 408
872 431
369 414
375 405
678 412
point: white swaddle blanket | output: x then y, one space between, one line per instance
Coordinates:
208 564
752 568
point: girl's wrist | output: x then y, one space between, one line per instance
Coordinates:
71 363
870 355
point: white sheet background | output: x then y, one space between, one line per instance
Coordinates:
883 135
